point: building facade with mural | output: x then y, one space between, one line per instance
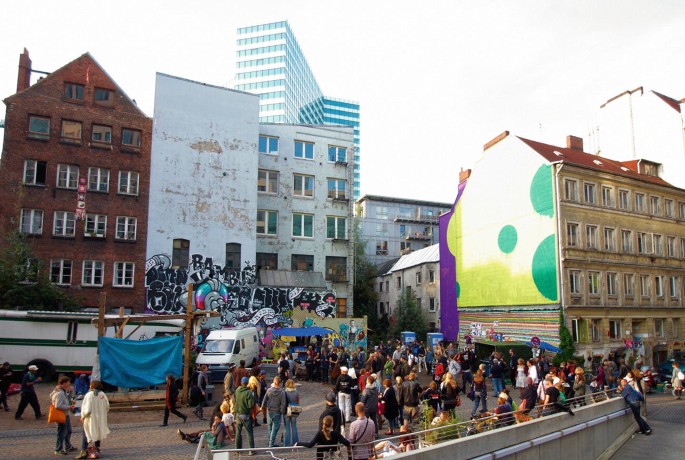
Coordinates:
74 180
601 239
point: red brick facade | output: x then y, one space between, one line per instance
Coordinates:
77 123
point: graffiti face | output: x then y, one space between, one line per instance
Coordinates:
232 293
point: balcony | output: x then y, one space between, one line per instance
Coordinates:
421 236
418 218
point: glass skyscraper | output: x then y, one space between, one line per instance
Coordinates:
270 63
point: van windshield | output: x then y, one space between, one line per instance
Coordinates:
219 346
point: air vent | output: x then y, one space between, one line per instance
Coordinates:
597 162
558 153
623 168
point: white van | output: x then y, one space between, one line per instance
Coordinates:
224 346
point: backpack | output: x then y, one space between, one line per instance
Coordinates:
439 369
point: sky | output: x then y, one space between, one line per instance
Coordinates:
435 79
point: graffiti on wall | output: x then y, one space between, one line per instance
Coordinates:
232 293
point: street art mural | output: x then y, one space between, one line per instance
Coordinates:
232 293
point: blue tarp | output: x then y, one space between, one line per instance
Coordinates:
547 347
301 331
140 363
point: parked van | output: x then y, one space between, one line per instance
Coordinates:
224 346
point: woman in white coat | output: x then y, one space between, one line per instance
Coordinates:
94 411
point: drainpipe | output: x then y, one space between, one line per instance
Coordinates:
558 165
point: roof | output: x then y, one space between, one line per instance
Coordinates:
564 155
390 199
675 105
384 268
422 256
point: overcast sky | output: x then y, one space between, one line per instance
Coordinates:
435 79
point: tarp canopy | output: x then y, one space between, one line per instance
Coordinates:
140 363
547 347
301 331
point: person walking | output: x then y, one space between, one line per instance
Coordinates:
392 411
343 388
5 382
580 386
326 439
633 399
677 381
409 398
369 398
170 400
94 410
514 369
229 379
449 393
275 404
361 434
61 400
244 402
497 375
28 393
479 392
199 391
292 398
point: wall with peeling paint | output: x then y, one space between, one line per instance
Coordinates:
204 169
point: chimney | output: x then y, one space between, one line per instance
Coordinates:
574 143
24 77
464 174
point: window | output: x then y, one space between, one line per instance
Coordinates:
233 256
336 153
381 248
267 222
418 302
98 180
628 285
267 261
645 286
655 205
304 150
595 327
574 281
659 285
658 327
614 329
35 172
336 188
96 225
102 134
579 330
302 263
381 212
60 271
341 307
639 202
268 144
93 273
670 246
123 274
126 228
39 127
673 290
131 138
590 193
681 210
380 286
624 200
658 242
104 97
387 286
128 183
644 243
398 282
303 185
336 227
682 248
71 131
609 239
64 224
418 278
627 241
591 237
572 235
612 283
73 91
431 276
267 181
669 208
571 190
67 176
303 225
593 283
31 221
382 229
607 197
336 269
180 255
403 231
431 304
405 245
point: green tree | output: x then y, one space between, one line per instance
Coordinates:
408 316
23 280
565 342
365 296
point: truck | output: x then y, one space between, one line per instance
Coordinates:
65 342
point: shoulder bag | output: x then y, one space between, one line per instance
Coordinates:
56 415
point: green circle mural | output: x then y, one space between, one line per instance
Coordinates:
507 239
541 191
458 290
545 268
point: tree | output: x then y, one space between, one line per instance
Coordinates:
565 342
364 295
408 316
24 282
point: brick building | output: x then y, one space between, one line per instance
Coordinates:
74 177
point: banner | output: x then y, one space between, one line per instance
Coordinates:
140 363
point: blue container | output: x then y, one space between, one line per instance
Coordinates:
407 337
434 338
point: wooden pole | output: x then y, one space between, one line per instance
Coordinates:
101 315
186 348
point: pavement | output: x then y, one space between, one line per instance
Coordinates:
137 434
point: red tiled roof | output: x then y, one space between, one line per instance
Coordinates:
587 160
670 101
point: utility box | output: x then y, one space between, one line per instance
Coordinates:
407 337
434 338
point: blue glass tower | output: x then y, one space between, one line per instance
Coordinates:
269 62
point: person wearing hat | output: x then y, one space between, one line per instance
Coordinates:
332 410
28 393
343 387
229 382
5 382
244 402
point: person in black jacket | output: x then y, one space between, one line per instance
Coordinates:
343 388
171 399
332 410
409 398
326 439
